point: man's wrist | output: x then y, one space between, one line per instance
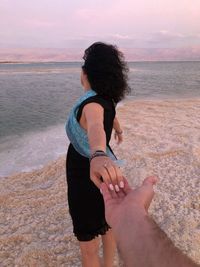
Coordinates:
136 216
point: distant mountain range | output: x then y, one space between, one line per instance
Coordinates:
72 54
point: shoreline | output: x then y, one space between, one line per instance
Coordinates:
160 137
51 128
32 150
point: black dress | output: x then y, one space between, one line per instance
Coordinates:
85 201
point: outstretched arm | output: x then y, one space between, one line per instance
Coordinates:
101 166
140 241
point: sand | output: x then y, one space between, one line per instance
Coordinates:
160 137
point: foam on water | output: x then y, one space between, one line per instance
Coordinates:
32 150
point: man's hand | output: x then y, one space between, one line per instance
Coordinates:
120 205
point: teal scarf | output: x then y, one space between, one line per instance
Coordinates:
77 135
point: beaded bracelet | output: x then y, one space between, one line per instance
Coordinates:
98 153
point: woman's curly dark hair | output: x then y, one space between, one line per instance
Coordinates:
106 70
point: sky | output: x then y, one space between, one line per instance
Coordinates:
78 23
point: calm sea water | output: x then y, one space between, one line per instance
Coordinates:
35 100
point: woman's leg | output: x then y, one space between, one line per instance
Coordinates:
109 248
90 253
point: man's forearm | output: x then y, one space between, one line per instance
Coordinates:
142 243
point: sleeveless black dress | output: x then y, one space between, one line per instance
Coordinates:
85 201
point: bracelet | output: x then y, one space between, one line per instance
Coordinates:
119 132
98 153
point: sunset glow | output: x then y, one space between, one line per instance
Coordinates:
61 24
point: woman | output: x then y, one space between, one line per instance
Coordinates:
104 79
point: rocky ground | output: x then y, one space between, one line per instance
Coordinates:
160 137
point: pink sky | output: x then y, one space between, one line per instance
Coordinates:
78 23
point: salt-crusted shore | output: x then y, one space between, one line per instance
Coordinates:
160 137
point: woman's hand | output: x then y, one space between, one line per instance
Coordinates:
118 137
103 168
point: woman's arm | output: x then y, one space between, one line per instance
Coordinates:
118 135
116 125
94 113
100 166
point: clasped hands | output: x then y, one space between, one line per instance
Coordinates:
103 169
121 197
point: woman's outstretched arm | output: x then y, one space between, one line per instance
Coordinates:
101 166
94 115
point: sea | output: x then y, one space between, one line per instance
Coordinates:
35 100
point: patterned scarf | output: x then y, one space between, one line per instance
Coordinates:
77 135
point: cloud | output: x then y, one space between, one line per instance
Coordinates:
160 39
165 38
121 37
167 35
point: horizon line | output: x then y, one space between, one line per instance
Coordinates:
78 61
